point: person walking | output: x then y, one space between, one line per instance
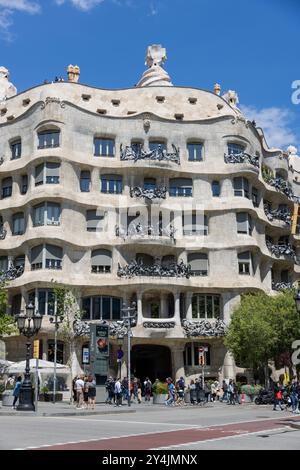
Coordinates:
91 386
225 391
147 389
85 393
16 392
193 396
79 384
278 397
118 392
171 393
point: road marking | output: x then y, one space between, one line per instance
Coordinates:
125 422
243 434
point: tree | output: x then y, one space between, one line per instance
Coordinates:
262 328
7 322
67 308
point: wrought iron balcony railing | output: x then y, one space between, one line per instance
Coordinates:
283 186
11 273
279 214
147 193
281 285
204 327
241 158
135 268
282 250
3 233
139 230
158 154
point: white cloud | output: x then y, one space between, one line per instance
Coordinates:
275 122
19 5
84 5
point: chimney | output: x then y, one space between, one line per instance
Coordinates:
73 73
217 89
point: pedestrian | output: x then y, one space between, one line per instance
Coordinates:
118 393
171 393
225 391
79 384
147 389
230 391
278 397
16 392
86 393
91 385
74 389
193 396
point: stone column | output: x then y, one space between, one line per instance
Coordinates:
177 308
139 297
177 361
95 180
188 300
45 348
228 366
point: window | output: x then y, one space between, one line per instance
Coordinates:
85 181
284 276
194 224
59 351
47 173
198 263
18 224
48 139
195 152
48 256
181 187
150 183
244 261
241 187
205 306
244 223
43 300
101 308
215 188
157 144
235 149
255 198
47 213
19 262
191 354
104 147
95 219
53 257
101 261
24 184
6 187
111 184
16 304
16 149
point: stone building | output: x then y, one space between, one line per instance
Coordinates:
163 195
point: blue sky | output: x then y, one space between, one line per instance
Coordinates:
246 45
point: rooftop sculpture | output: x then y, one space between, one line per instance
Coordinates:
7 89
155 75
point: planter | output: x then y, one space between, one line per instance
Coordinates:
159 399
7 398
49 397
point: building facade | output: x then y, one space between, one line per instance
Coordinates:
167 196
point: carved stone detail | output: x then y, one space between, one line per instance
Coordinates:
50 99
204 328
159 154
154 324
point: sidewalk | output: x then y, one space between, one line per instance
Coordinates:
65 409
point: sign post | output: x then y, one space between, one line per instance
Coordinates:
201 357
36 354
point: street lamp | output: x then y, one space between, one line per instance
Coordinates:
129 316
56 320
28 324
297 301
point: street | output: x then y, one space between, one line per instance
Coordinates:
217 426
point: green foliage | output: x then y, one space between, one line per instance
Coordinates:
67 308
160 388
7 322
44 389
267 173
251 390
9 386
263 327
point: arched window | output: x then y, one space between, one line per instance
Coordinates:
235 149
85 181
195 150
46 256
241 187
215 188
6 187
49 138
16 149
104 147
101 261
244 262
47 173
181 187
111 184
18 224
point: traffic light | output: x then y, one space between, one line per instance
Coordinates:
201 360
36 349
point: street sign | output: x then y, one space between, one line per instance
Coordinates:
36 348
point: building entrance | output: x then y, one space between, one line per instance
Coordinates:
151 361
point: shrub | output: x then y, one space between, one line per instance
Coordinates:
160 388
44 389
251 390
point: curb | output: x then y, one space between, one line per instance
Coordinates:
66 414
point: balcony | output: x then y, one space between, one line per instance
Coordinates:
159 323
281 285
214 327
135 268
282 250
149 193
242 158
281 185
12 273
3 233
147 231
278 214
159 154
